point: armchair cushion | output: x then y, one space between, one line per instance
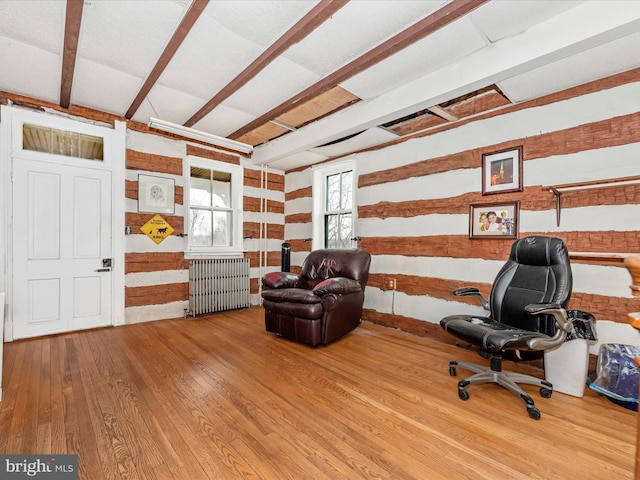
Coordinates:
296 295
339 285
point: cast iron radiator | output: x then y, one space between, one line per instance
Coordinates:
218 284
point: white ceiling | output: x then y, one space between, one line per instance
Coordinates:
526 48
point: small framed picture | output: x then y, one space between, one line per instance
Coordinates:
156 194
494 220
502 171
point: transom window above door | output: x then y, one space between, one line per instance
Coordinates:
39 138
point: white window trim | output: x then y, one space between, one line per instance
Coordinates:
237 198
320 173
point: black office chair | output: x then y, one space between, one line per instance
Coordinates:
526 313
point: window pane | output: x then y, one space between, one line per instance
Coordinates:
200 187
333 193
91 148
65 143
37 139
345 230
221 189
330 231
347 189
200 234
338 231
222 229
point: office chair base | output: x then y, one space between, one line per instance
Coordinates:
508 380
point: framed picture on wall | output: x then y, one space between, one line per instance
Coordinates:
156 194
494 220
502 171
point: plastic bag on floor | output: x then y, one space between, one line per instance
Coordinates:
617 372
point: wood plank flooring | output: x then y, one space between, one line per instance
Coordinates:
219 398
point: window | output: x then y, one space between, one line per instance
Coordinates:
62 142
337 215
334 213
215 207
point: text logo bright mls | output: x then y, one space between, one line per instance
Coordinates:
50 467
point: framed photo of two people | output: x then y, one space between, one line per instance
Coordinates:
494 220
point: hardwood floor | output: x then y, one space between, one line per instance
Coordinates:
219 398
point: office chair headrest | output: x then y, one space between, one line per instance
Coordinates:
539 251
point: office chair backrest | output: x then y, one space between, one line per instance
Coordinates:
538 271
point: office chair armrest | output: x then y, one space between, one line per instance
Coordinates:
562 320
473 291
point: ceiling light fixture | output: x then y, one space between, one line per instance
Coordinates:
194 134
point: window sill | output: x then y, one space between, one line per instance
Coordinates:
214 254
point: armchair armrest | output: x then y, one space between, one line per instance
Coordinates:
473 291
338 286
280 280
564 324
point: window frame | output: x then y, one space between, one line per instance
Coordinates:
237 198
320 174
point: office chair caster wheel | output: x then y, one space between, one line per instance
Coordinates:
533 413
463 394
452 371
545 392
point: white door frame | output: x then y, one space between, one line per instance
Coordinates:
11 121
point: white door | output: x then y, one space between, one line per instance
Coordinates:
61 247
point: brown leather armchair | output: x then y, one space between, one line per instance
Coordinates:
321 304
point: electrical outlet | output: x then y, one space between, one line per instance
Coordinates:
390 284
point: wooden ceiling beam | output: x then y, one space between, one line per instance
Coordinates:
440 18
443 113
312 20
73 20
187 23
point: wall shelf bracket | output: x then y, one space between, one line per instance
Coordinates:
558 195
608 182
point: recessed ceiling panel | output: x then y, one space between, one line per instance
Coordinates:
442 47
103 88
279 81
168 104
40 24
355 29
608 59
224 120
209 58
29 71
298 160
259 21
225 40
503 18
128 36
